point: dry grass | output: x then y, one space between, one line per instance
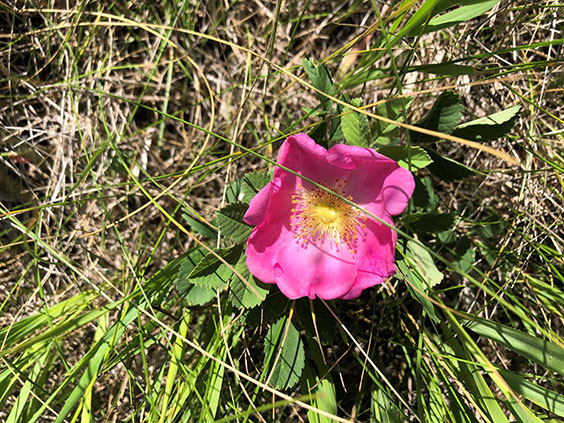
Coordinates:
94 111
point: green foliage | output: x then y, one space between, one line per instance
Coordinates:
489 127
230 221
417 287
541 351
211 272
97 328
355 126
202 273
283 354
443 117
249 293
199 225
431 222
253 182
320 79
545 398
422 264
386 133
411 158
246 187
448 169
468 9
316 382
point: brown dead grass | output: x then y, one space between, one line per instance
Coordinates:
67 93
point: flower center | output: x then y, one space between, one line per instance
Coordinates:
321 215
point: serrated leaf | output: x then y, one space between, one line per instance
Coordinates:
253 182
211 272
317 320
284 354
431 222
424 195
489 127
355 126
242 190
320 79
247 294
199 226
443 117
383 132
410 158
275 305
199 295
234 192
183 284
422 263
230 221
447 169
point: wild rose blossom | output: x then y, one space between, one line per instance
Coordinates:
310 242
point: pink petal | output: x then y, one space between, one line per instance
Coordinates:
313 270
300 271
398 187
301 154
378 183
375 254
258 207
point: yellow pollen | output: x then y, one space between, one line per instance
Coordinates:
321 215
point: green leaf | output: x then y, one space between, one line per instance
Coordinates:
211 272
418 21
319 134
270 310
320 79
193 294
355 126
424 195
448 69
199 295
230 221
545 353
489 127
431 222
317 383
469 9
382 409
466 256
247 294
447 169
199 226
385 133
410 158
443 117
283 354
545 398
418 289
317 320
466 369
253 182
183 284
422 263
243 189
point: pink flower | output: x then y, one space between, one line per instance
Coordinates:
310 242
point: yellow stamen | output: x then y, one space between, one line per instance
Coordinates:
320 215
